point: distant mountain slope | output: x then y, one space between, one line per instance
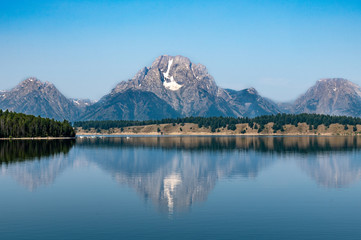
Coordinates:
249 103
82 103
36 98
129 105
334 96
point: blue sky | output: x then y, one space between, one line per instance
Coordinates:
86 47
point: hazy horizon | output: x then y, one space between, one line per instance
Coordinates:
86 47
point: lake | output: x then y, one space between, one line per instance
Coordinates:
181 188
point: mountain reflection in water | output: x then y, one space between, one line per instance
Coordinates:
175 172
34 162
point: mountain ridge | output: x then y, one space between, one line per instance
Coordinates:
333 96
34 97
173 86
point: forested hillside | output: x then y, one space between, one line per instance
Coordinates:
20 125
279 120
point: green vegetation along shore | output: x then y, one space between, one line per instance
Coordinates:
18 125
280 124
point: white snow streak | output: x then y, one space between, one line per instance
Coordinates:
172 85
170 62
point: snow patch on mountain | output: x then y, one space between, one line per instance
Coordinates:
172 85
82 102
166 74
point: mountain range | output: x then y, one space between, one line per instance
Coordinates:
172 87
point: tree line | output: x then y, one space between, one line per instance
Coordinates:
23 150
279 120
19 125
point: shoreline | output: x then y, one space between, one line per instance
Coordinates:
39 138
81 134
191 129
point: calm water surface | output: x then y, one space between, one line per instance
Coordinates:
181 188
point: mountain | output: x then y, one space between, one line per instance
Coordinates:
37 98
334 96
173 87
130 104
176 87
186 86
249 103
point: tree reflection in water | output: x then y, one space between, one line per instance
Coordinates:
176 172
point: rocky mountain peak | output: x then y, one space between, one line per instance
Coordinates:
177 72
252 91
333 80
162 62
170 74
32 96
186 86
335 86
30 82
334 96
82 103
33 84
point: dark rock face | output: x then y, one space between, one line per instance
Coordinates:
34 97
249 103
130 105
335 96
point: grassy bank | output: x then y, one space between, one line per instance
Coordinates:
240 129
38 138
